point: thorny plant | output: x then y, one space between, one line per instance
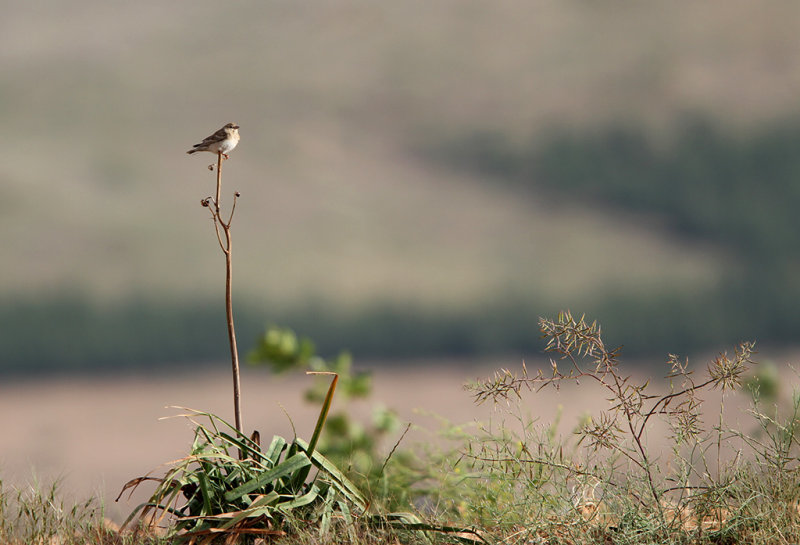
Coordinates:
619 433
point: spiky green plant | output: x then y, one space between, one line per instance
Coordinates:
229 485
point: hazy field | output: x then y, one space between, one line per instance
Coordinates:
340 104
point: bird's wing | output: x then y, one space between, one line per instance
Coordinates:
216 137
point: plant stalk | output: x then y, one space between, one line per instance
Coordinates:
226 249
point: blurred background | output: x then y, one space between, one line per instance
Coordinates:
420 180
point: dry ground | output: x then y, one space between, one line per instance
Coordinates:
97 434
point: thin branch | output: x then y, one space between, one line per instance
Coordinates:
665 399
219 236
233 209
394 448
221 228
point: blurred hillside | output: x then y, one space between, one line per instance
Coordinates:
416 177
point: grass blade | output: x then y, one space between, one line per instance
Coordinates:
323 414
338 479
275 449
299 501
288 466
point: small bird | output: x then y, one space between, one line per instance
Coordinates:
222 141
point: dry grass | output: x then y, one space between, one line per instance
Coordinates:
749 508
97 434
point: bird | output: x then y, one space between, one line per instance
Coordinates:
222 141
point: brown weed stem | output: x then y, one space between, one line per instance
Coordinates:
225 245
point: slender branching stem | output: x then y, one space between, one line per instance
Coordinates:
223 229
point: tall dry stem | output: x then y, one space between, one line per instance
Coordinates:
224 239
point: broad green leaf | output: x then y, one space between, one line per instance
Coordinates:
338 479
288 466
299 501
263 505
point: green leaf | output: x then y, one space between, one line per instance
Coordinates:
262 506
204 490
338 479
244 446
327 512
323 414
299 501
288 466
275 449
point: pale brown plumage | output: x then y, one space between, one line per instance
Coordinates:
222 141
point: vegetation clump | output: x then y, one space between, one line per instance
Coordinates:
515 481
